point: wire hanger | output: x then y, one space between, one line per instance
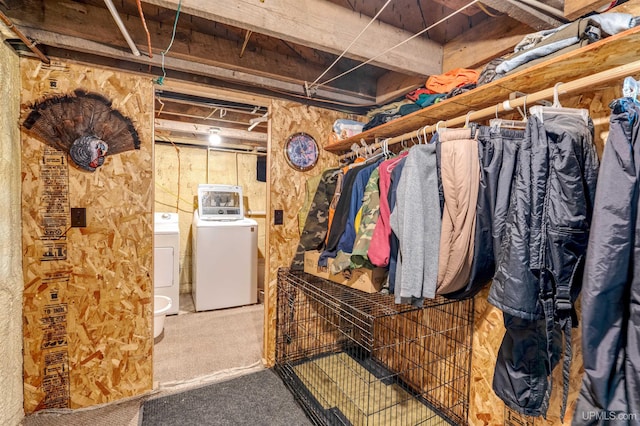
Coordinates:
466 119
556 108
523 112
499 123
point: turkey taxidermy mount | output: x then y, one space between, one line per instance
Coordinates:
84 125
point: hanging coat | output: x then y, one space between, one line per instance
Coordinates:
416 221
538 276
497 152
610 392
460 171
315 227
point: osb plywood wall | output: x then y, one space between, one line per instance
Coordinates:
88 295
10 241
179 170
287 193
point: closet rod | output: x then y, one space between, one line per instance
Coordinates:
617 73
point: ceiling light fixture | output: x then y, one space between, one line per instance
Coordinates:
214 136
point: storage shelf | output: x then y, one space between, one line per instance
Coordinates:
600 56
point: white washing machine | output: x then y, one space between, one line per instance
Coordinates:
225 256
166 258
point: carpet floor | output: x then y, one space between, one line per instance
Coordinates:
198 344
253 399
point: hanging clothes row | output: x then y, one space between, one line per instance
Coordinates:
474 205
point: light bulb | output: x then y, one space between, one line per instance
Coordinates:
214 137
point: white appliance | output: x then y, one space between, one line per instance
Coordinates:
225 255
220 202
166 258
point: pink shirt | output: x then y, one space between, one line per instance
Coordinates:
380 246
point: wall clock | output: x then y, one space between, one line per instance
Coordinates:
301 151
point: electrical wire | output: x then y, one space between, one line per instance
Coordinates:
144 25
170 192
399 44
178 199
160 80
351 44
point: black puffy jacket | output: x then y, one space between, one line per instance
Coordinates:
610 392
538 275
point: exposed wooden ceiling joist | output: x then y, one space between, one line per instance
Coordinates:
202 141
524 13
187 115
277 47
390 86
484 42
575 8
324 26
56 16
74 44
200 129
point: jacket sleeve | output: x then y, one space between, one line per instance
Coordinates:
539 177
606 278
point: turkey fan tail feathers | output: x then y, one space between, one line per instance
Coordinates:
49 122
119 133
61 120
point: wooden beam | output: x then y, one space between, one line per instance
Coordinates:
457 4
321 25
496 37
177 112
202 141
214 93
483 42
574 9
203 129
632 7
524 13
392 85
96 24
74 44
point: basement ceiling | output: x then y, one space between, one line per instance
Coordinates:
328 53
189 119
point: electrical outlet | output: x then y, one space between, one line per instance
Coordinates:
78 217
278 217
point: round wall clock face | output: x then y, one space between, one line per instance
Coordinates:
301 151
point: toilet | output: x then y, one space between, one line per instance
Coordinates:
161 305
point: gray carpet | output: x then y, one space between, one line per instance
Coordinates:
198 344
253 399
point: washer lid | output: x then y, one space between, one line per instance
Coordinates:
166 223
